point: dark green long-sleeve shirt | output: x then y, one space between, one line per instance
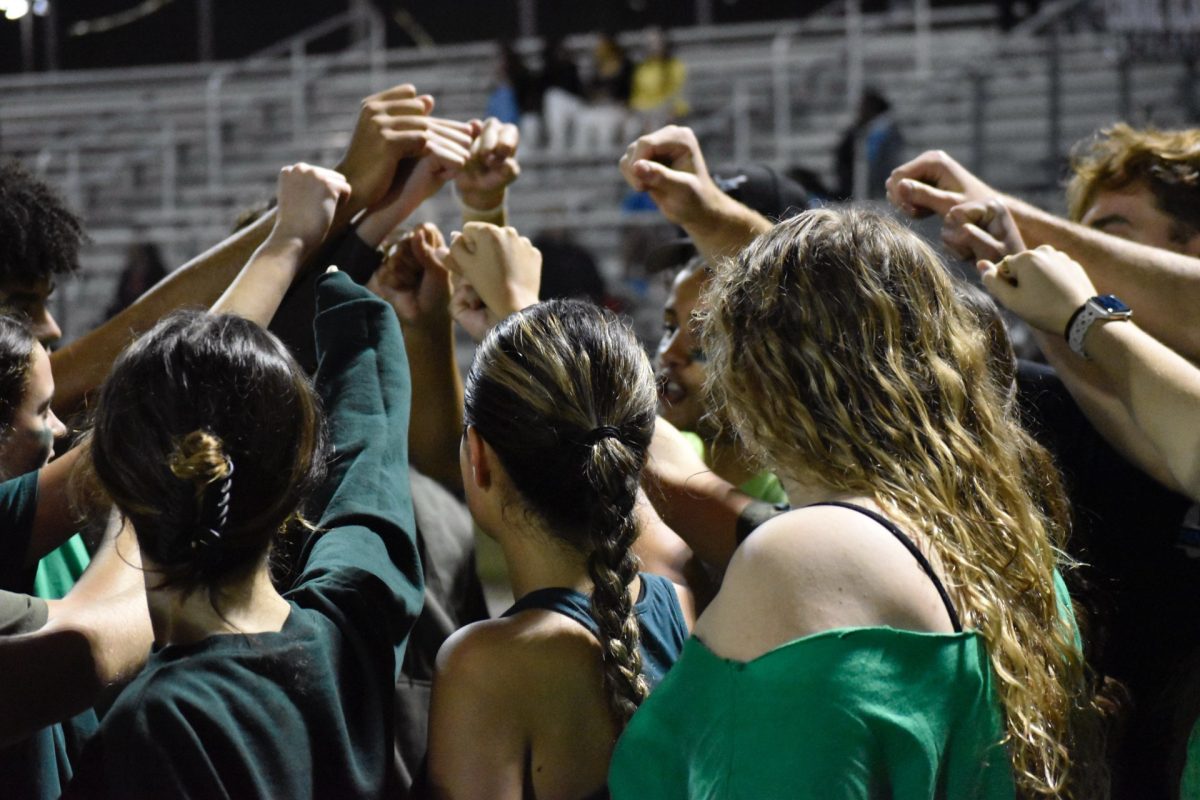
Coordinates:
305 712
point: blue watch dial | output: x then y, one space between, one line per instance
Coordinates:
1112 304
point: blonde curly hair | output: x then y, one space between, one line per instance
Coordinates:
844 358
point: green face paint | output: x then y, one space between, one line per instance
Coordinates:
45 440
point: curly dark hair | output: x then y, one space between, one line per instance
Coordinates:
39 235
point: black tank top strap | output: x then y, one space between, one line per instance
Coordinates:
894 529
568 602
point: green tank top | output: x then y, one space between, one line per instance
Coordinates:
846 713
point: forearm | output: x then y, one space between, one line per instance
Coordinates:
53 520
725 227
257 291
1163 287
62 669
364 382
703 510
1093 393
1160 388
496 214
80 367
115 569
437 413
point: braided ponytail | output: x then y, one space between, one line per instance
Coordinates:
564 388
612 566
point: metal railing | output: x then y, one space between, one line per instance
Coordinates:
363 17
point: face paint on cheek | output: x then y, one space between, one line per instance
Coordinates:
45 441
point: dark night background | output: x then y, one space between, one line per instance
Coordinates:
243 26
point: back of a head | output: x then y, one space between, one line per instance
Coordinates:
564 395
1167 162
39 235
208 437
841 351
16 355
878 342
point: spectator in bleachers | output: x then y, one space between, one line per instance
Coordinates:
514 89
561 92
1136 192
144 267
873 141
659 81
601 124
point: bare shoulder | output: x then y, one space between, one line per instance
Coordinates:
512 656
816 569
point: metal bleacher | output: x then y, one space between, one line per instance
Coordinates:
172 154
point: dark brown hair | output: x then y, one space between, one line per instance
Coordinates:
565 396
208 437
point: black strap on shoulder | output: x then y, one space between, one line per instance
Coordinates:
912 548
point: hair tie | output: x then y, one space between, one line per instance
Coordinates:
601 432
211 534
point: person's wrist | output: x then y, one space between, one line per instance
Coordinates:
288 244
481 202
519 299
430 328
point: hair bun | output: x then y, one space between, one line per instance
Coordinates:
200 458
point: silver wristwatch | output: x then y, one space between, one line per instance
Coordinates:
1101 308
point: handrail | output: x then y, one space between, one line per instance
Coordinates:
295 48
1048 15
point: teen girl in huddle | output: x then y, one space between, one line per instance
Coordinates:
560 409
209 439
899 633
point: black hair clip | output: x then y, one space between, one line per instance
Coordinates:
211 535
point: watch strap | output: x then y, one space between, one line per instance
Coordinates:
1086 316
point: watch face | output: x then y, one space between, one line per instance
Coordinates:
1112 304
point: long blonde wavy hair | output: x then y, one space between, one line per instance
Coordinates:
843 358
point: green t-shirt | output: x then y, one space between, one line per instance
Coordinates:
18 503
850 713
844 714
764 486
39 766
58 570
305 712
1189 783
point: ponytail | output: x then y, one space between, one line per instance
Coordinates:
612 472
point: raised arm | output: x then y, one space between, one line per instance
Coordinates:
1159 388
1163 286
988 232
414 282
496 272
308 198
97 637
81 366
482 186
391 126
705 509
365 523
669 165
